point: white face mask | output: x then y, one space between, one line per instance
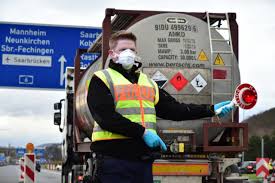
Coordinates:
127 59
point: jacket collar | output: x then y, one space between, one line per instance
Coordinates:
130 75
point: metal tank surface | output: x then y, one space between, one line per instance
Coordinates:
85 119
175 51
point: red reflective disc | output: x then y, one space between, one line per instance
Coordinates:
248 96
245 96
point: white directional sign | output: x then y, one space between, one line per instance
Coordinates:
198 83
62 59
160 79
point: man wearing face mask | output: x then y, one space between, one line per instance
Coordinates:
125 103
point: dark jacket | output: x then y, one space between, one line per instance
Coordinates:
101 105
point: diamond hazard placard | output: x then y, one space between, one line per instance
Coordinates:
179 81
160 79
198 83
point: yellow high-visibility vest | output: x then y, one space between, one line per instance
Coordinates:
135 102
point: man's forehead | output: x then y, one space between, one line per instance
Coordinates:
125 42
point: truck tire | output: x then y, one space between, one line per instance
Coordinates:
233 169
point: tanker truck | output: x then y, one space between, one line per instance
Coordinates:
191 55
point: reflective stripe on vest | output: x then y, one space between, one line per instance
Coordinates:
149 125
135 102
135 110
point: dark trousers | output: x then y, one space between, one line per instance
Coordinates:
112 170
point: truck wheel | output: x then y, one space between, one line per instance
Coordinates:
232 170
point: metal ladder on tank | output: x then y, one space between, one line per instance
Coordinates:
221 52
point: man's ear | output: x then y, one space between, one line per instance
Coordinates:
113 55
110 52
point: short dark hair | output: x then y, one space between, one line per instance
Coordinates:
120 35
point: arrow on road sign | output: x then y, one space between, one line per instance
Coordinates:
62 59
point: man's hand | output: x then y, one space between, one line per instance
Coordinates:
223 108
153 140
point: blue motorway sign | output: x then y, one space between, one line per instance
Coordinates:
20 152
35 56
38 152
2 158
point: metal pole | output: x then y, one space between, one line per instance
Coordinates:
262 144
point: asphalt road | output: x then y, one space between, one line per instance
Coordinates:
10 174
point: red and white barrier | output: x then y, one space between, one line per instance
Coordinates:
29 168
262 168
22 170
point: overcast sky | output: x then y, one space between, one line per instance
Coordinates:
27 115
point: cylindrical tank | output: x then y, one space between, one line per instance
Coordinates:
175 51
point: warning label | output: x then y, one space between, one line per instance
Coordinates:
198 83
202 56
179 81
218 60
160 79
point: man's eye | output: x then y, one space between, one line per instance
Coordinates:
132 49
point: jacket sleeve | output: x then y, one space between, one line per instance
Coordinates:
169 108
101 105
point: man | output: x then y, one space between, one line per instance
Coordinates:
124 103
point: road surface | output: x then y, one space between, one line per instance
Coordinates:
10 174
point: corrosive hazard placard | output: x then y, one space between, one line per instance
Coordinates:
160 79
219 60
202 56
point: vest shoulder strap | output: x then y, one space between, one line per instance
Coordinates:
101 75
